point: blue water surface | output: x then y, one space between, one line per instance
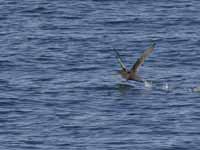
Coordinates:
59 87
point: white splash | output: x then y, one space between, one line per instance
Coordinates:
148 84
165 86
196 89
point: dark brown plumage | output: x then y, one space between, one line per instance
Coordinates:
132 74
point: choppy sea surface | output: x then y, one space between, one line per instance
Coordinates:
59 87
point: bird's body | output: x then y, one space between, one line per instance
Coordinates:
132 73
127 75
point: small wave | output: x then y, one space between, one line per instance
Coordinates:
123 22
82 69
34 10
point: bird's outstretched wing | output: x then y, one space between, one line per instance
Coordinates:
142 58
120 60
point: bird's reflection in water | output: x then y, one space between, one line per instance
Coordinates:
125 88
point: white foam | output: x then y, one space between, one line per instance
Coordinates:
165 86
148 84
196 89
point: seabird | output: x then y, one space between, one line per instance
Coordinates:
132 74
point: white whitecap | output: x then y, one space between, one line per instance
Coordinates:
148 84
196 89
165 86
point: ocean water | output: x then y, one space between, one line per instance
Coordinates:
59 87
